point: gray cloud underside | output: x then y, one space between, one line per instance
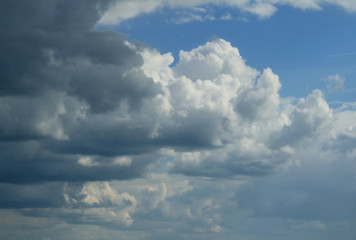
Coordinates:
80 108
58 75
69 93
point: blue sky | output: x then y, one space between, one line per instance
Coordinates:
191 119
302 46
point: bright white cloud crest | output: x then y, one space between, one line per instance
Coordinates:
213 94
101 138
214 117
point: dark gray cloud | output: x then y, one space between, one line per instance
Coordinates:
81 108
50 45
198 129
27 162
28 29
73 100
70 93
47 195
58 80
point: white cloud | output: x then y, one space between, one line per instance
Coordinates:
261 9
123 161
219 116
310 117
185 15
214 95
103 204
335 83
128 9
302 4
348 5
226 16
87 162
124 9
104 113
216 58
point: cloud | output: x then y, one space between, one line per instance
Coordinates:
226 16
308 118
335 83
261 9
102 204
158 205
128 9
305 193
245 111
121 10
58 75
44 195
99 106
102 108
29 162
105 135
195 14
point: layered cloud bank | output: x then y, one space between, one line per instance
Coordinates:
80 109
98 120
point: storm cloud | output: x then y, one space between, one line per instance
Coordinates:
75 100
70 93
99 131
61 84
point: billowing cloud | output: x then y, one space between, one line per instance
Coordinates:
101 108
58 75
81 100
96 130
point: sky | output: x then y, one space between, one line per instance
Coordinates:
162 119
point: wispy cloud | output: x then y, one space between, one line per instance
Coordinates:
341 54
124 9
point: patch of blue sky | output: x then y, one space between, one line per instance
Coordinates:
302 47
164 165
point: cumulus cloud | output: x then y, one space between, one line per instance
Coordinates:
308 118
93 126
160 202
238 110
101 108
101 201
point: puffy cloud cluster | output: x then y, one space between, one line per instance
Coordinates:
81 108
97 203
232 113
82 105
121 10
85 106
